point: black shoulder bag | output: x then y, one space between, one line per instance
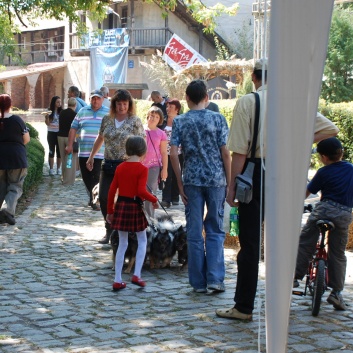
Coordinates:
244 181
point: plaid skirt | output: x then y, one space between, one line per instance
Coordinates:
129 216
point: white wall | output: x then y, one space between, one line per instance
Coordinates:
228 25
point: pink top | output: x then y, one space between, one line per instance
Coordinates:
153 156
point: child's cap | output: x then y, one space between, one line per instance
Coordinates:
329 146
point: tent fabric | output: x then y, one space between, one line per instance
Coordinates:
298 42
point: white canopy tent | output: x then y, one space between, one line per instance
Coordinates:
299 32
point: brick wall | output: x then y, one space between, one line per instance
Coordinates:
18 88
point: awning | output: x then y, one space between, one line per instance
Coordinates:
30 70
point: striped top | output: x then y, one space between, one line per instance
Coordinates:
87 124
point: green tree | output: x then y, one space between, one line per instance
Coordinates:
244 42
223 52
203 14
337 85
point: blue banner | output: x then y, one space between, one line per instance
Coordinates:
109 57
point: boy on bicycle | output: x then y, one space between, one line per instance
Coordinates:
335 181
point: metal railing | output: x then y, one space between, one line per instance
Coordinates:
139 38
36 54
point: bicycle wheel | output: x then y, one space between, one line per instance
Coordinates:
319 287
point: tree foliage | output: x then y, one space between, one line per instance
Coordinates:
222 52
244 42
203 14
16 13
338 74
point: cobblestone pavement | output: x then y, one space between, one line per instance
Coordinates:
55 294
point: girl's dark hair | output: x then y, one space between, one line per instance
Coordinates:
136 145
5 103
52 107
122 95
175 102
159 112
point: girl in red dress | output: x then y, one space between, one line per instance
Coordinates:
127 215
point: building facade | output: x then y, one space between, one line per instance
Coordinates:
51 57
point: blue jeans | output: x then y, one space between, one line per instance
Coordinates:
205 255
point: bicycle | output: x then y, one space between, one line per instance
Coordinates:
317 274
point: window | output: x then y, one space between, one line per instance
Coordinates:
124 17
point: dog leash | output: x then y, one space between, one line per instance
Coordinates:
150 190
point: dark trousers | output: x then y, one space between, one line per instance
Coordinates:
250 221
90 178
170 192
52 138
104 184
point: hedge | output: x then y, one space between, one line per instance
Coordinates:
225 106
340 113
35 157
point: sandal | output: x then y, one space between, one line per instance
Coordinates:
118 286
138 281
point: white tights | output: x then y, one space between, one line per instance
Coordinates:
120 254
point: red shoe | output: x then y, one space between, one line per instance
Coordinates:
118 286
138 281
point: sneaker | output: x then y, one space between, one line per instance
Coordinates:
295 283
165 204
336 299
59 171
200 290
217 287
175 203
51 172
234 314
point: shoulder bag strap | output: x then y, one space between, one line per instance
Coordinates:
148 133
256 124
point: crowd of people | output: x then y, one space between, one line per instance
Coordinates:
199 157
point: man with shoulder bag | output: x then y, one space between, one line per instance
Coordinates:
246 149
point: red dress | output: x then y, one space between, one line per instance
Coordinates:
129 181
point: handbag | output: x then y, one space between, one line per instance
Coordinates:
161 182
109 165
244 181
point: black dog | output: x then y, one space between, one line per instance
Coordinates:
162 249
180 241
166 241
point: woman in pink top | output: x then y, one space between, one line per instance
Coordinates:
156 159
